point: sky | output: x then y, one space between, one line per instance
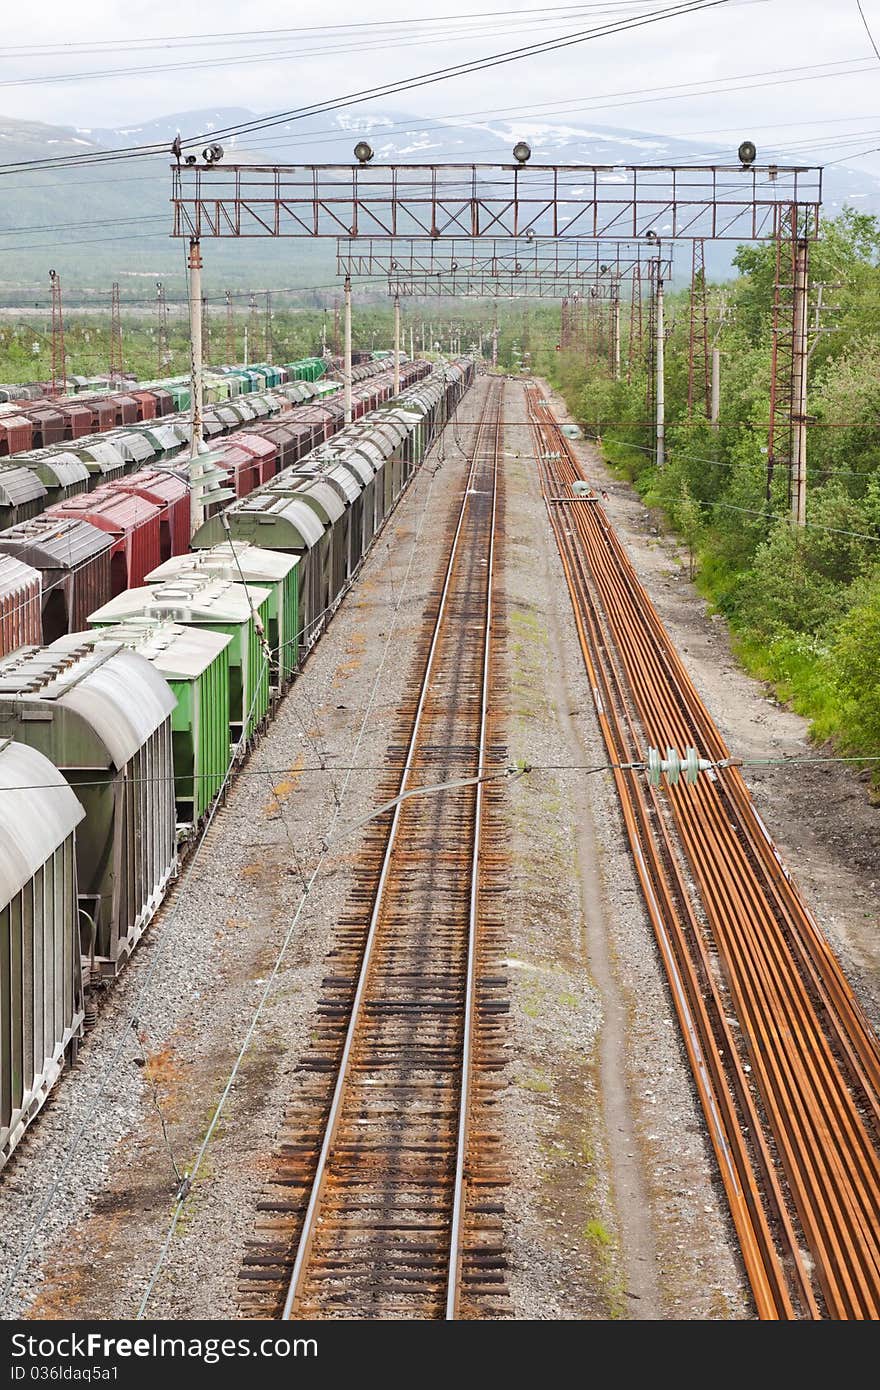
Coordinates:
797 76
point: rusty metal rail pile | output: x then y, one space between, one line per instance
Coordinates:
786 1065
384 1199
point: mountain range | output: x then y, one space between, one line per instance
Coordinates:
110 222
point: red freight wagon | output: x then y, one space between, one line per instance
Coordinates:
49 424
244 468
263 450
126 409
77 419
74 560
16 434
164 400
171 495
103 410
320 419
146 404
289 440
132 520
21 623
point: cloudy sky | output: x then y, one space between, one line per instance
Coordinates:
797 76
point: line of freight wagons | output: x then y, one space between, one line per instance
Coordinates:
113 510
115 742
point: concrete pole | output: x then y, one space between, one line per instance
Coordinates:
397 345
346 364
716 387
412 344
495 345
245 345
615 335
661 386
423 337
196 382
799 388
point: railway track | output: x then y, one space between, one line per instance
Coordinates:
385 1195
786 1065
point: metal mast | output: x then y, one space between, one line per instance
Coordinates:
116 361
59 367
163 356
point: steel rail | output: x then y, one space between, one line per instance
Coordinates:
310 1221
707 1038
812 1056
453 1286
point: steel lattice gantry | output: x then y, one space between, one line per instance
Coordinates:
568 202
528 259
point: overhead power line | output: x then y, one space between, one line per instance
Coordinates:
386 89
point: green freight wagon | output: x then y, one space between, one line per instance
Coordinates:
201 601
104 719
251 564
195 663
308 369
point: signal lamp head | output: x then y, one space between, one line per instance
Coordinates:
746 153
190 159
522 152
211 153
363 152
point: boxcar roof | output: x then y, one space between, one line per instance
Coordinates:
38 811
175 651
54 542
115 692
189 598
14 573
255 562
62 468
18 485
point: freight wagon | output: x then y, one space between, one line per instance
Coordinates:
103 718
74 561
21 612
41 999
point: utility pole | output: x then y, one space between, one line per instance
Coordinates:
230 331
268 333
195 331
661 388
59 363
245 345
324 335
397 345
615 331
346 366
412 349
116 362
799 386
254 326
162 354
336 328
206 333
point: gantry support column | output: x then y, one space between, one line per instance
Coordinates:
346 363
799 386
661 388
397 345
196 383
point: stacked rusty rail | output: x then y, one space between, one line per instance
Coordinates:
384 1199
786 1065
